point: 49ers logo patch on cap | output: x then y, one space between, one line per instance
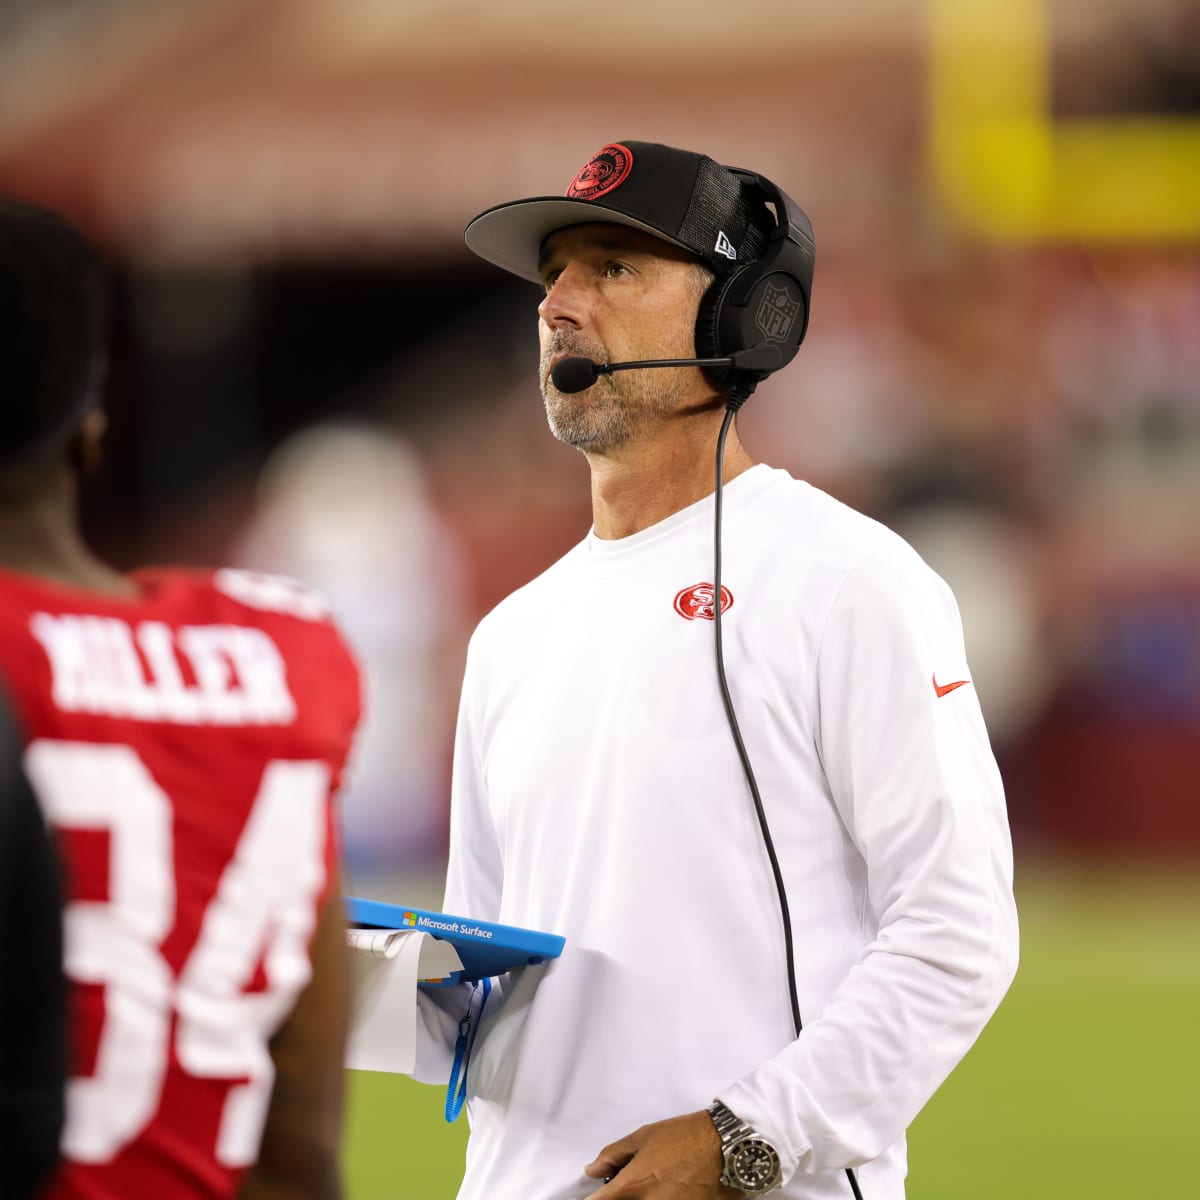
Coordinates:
605 170
697 602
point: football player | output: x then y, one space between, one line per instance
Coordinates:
186 735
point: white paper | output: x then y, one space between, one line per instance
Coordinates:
388 963
439 960
375 943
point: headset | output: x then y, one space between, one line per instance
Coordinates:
752 318
761 306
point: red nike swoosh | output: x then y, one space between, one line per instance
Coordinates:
943 688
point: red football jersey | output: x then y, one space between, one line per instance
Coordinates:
187 744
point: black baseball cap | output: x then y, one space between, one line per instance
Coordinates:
677 195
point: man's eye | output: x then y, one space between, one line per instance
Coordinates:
550 280
615 269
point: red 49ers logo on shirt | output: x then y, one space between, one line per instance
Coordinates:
697 602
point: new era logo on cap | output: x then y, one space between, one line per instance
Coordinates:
725 246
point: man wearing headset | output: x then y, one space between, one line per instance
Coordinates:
599 791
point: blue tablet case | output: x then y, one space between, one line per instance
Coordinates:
486 949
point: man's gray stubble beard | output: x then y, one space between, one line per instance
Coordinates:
606 420
593 419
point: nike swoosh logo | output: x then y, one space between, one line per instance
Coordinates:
943 689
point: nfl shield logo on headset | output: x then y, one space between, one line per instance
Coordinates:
776 314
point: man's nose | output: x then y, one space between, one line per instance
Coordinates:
568 300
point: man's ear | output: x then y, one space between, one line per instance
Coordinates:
88 449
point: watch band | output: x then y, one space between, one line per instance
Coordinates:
730 1127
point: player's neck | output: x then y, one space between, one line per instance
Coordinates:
639 488
39 535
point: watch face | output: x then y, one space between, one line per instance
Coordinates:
754 1165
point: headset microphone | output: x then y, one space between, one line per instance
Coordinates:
577 374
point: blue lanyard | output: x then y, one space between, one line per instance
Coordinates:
456 1091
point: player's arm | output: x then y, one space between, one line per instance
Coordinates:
32 987
298 1159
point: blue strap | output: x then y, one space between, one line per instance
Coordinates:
456 1091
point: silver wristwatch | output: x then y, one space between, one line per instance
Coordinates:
751 1162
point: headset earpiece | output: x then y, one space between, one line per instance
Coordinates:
707 337
764 302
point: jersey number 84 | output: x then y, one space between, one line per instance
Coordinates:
263 912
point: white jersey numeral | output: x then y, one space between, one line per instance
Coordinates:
115 943
263 911
223 1030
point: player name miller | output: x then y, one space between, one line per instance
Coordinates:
194 675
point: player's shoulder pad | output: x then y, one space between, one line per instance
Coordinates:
272 593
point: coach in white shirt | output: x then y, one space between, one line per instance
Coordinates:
599 792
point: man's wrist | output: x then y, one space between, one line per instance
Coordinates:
712 1140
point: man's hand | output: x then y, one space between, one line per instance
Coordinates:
679 1159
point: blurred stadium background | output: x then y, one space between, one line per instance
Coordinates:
310 374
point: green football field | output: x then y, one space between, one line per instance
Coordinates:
1085 1086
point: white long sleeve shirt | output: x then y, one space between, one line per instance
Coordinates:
598 794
